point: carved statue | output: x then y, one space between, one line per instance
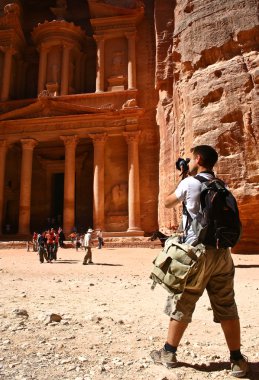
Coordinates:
116 201
44 94
61 4
117 62
54 72
12 8
60 10
130 103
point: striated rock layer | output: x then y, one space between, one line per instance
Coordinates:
207 74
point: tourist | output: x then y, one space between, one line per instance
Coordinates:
50 236
73 237
35 242
82 241
56 241
217 278
42 247
100 239
78 242
61 237
87 245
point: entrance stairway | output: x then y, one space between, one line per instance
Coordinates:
111 240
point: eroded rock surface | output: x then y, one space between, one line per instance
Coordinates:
208 79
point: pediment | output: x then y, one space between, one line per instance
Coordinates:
51 107
112 8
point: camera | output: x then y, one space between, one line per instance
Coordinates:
182 164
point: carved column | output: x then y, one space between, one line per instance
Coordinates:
65 69
3 150
42 68
78 72
25 186
133 186
83 73
98 185
131 60
23 84
69 182
20 75
100 64
7 69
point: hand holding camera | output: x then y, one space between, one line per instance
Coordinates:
182 165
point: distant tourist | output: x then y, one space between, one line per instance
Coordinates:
61 237
42 247
55 249
35 242
87 245
100 239
50 236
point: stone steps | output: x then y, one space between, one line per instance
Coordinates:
109 242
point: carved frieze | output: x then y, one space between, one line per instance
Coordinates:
131 4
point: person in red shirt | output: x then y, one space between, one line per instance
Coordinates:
55 250
50 236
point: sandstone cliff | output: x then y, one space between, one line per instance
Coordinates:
207 74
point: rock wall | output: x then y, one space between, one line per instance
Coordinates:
207 74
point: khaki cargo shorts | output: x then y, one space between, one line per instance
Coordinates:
218 280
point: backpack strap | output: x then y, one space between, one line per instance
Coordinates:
189 219
203 179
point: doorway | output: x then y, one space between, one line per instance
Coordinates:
57 198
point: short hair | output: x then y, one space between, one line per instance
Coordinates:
209 156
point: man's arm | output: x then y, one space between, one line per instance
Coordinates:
171 200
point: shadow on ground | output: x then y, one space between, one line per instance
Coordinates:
215 367
109 265
67 261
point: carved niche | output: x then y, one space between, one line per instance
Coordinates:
116 201
116 63
116 208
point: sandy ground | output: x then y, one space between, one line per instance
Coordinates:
111 320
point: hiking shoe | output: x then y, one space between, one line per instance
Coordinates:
239 368
166 358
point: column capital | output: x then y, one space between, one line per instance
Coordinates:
99 38
98 137
67 46
43 47
3 144
70 140
131 35
28 143
8 49
132 136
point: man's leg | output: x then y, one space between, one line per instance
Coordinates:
51 252
90 256
48 253
41 255
45 254
231 329
86 256
239 363
176 330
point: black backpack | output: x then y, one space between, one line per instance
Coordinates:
217 224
